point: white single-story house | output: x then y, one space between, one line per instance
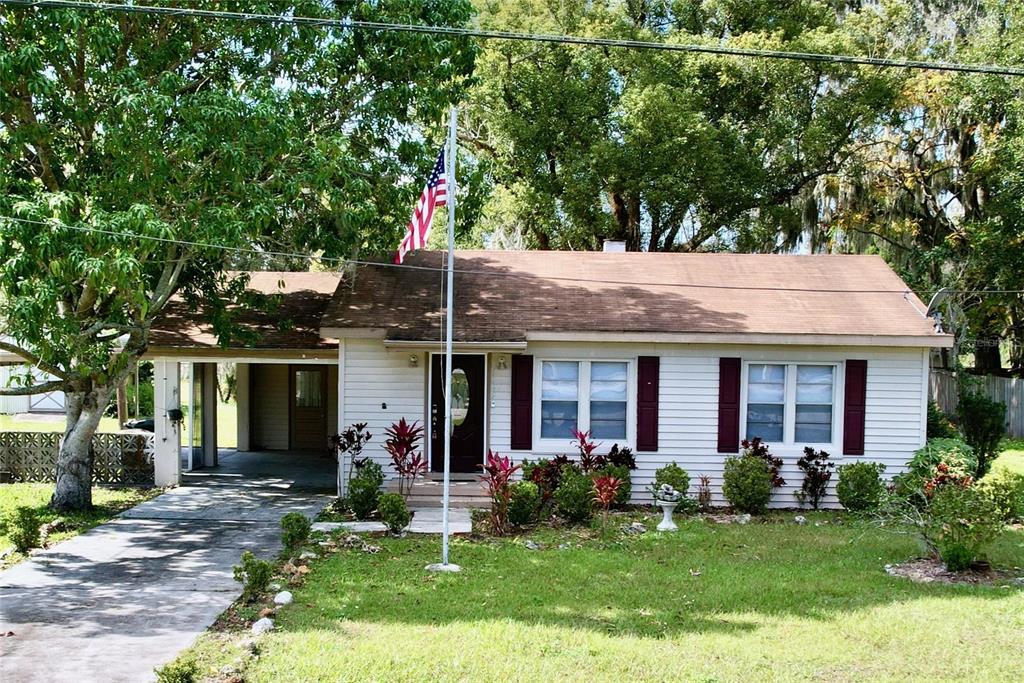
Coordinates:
678 356
13 367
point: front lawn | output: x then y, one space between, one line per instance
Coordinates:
107 503
764 601
1012 456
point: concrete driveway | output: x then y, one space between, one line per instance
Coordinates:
112 604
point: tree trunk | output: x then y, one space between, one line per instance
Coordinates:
987 360
74 461
122 404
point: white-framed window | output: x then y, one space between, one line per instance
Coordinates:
594 395
790 403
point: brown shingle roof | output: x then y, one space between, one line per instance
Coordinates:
290 319
505 295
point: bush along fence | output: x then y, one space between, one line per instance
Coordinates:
119 459
1008 390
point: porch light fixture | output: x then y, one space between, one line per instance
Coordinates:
414 360
502 362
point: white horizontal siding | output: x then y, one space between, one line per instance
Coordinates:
374 378
500 415
688 408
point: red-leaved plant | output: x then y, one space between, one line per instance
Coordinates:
946 476
402 445
760 449
606 488
498 472
588 461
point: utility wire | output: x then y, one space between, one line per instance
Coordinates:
341 262
379 26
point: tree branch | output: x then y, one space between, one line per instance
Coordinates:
45 387
33 359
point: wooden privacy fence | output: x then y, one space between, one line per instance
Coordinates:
119 459
1003 389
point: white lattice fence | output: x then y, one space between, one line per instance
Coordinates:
118 459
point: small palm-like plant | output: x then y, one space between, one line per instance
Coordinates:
402 444
498 472
606 488
588 461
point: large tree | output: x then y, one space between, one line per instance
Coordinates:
129 142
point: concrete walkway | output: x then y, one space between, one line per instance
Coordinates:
113 603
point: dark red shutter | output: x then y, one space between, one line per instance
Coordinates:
647 403
522 402
854 406
728 405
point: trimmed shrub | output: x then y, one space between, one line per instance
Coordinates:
184 670
939 424
24 529
747 483
524 503
961 521
574 497
983 422
860 486
547 474
1006 490
394 512
254 574
625 490
295 528
364 489
760 449
673 475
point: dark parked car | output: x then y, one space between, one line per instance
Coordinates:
143 423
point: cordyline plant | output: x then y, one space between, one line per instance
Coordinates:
758 448
586 446
498 471
606 488
402 444
350 443
144 160
817 471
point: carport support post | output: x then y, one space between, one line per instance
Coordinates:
166 397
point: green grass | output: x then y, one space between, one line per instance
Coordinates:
47 423
1012 456
772 601
107 503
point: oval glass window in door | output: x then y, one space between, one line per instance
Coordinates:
460 396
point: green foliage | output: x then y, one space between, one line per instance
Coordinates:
524 503
817 471
394 512
574 498
673 475
983 422
364 489
620 472
23 529
1006 490
254 574
295 528
747 483
939 425
955 453
181 670
961 521
860 487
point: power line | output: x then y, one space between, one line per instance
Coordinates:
341 261
991 69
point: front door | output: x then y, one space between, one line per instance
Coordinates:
308 386
467 413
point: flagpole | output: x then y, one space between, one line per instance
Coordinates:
449 319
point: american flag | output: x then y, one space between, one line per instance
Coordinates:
435 194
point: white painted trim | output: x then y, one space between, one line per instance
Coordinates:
292 356
243 405
926 367
342 470
471 347
936 341
543 445
789 443
352 332
428 431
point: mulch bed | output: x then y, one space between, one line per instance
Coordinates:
932 570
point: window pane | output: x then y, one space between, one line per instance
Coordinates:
608 381
307 389
766 383
557 419
560 380
608 419
764 420
813 424
814 384
612 372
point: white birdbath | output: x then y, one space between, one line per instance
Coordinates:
666 523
